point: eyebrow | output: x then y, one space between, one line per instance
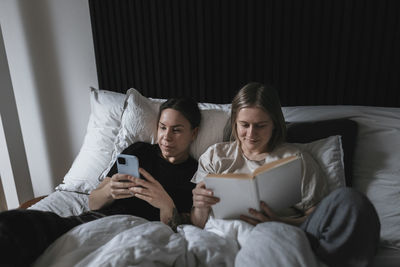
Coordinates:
177 125
259 122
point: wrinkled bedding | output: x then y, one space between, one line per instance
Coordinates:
64 203
124 240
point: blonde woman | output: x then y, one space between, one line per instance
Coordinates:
335 224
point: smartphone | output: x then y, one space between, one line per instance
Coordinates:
128 164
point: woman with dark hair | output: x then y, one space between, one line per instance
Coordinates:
163 195
336 223
168 160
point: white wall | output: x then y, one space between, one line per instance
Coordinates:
51 61
15 177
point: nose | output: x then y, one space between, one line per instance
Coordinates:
168 134
251 131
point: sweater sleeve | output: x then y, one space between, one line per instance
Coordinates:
205 165
314 184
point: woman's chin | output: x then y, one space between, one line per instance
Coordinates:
252 145
167 153
255 148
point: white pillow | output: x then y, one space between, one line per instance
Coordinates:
139 123
328 153
376 158
95 154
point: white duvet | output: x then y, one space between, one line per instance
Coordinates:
124 240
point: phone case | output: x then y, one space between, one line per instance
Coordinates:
128 164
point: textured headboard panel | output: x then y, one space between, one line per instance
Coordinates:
314 52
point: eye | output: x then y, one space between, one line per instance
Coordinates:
261 125
177 130
243 124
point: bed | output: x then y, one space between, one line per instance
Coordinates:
337 97
368 135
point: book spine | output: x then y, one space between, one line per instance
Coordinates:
256 195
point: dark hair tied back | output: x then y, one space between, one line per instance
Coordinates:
188 107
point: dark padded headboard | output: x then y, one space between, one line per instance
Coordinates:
314 52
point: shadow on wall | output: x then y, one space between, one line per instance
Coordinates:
16 186
40 38
3 202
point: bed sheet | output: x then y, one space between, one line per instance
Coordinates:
127 240
123 240
63 203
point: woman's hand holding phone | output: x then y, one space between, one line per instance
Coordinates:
127 183
151 191
120 185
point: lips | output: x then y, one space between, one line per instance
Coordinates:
251 140
167 147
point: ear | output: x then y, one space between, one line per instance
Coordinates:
195 132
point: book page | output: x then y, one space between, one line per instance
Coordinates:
280 187
274 164
236 196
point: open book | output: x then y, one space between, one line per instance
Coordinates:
277 183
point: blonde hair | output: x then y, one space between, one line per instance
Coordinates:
264 97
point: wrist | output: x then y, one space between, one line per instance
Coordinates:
202 210
168 206
199 216
166 211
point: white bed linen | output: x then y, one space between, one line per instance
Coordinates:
124 240
376 174
63 203
376 159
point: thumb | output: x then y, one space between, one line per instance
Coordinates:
147 175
